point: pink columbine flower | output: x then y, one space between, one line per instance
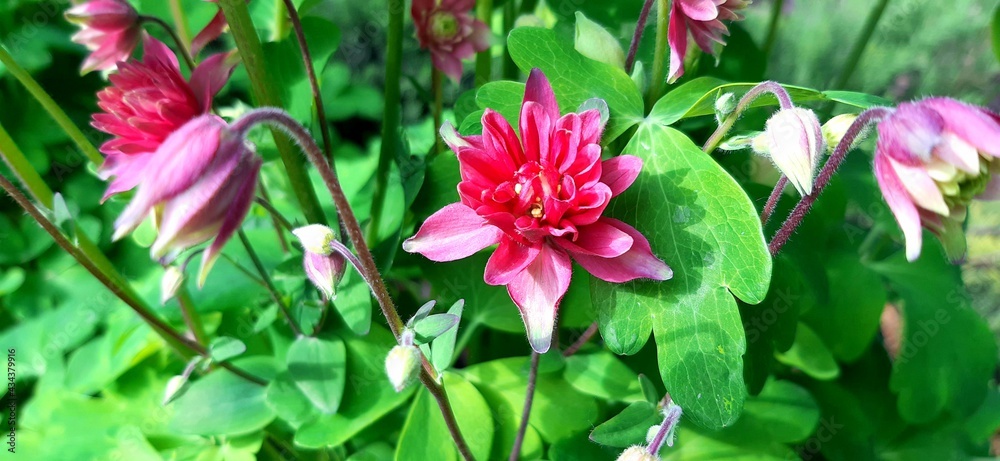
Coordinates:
446 29
540 197
204 183
146 102
323 266
110 30
932 158
703 18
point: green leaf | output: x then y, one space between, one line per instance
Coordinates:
224 348
785 411
225 404
849 321
929 376
628 427
354 303
996 32
714 243
603 376
318 367
504 97
579 448
649 391
859 100
697 98
422 312
288 402
367 396
576 78
433 326
810 355
443 347
425 426
11 280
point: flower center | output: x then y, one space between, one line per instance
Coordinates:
444 25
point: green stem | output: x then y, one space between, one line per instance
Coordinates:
123 291
772 28
180 42
191 317
266 94
529 396
180 20
51 107
276 215
390 115
858 49
280 21
484 59
269 284
437 91
510 71
660 55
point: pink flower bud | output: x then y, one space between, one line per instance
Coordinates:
204 186
323 266
110 29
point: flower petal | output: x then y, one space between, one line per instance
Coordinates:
638 262
910 133
209 78
537 291
239 206
970 123
699 10
923 190
601 239
620 172
677 38
509 259
538 90
900 203
454 232
212 31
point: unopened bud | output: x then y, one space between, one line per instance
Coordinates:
595 42
170 283
402 365
637 453
835 129
315 238
651 433
529 20
175 387
793 139
725 104
324 271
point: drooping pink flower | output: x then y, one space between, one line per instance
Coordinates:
110 29
204 183
540 197
932 158
446 28
703 18
146 102
323 266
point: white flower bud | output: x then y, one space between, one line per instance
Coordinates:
835 129
637 453
725 104
795 143
651 433
402 365
315 238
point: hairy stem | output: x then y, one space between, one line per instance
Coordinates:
529 397
660 55
670 420
269 284
772 200
784 101
584 338
391 114
858 128
279 119
51 107
640 27
266 94
181 43
122 291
